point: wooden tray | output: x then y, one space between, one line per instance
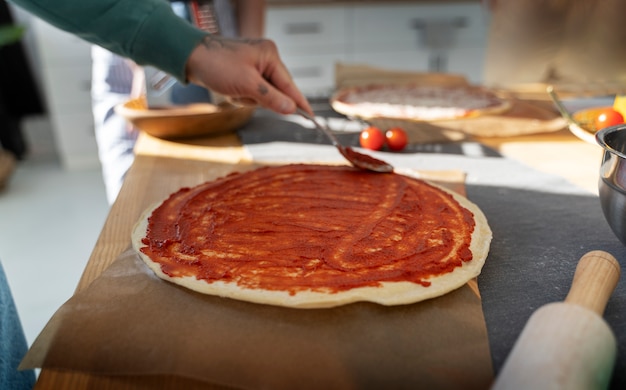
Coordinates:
524 117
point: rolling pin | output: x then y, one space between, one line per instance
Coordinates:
568 345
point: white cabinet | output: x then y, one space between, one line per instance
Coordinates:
302 29
421 37
442 37
65 71
311 40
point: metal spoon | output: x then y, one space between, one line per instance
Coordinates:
559 105
357 159
578 129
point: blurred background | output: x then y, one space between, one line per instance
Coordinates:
51 191
312 36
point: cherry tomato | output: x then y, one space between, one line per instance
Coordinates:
396 138
372 138
608 117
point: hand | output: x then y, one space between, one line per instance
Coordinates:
246 70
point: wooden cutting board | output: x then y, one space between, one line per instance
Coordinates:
244 345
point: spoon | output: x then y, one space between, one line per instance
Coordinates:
359 160
559 105
577 128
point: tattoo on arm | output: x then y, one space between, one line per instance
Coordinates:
212 41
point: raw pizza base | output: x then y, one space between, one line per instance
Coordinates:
389 293
412 102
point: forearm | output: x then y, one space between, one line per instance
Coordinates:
138 29
148 32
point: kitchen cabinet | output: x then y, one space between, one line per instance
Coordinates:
311 40
440 37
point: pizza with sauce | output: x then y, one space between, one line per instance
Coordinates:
418 102
312 236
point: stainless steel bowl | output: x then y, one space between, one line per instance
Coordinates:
612 182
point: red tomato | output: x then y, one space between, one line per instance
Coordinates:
608 117
396 138
372 138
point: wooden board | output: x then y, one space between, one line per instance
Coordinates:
524 117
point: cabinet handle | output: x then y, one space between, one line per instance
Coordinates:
422 24
303 28
85 85
438 33
306 72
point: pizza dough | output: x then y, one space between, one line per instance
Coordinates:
418 102
313 236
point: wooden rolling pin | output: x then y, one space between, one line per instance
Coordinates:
568 345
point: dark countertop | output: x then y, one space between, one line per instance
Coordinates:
542 225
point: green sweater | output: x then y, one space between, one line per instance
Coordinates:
146 31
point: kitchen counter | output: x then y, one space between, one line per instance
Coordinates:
559 153
542 222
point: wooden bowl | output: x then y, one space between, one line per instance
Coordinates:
192 120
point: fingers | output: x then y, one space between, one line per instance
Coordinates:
282 81
273 87
269 96
259 91
248 71
283 102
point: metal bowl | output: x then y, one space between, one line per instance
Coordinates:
612 182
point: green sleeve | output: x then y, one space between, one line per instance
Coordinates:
146 31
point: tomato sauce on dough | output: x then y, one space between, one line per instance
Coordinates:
310 227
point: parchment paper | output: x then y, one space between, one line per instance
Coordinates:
129 322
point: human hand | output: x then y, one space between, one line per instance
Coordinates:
249 71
